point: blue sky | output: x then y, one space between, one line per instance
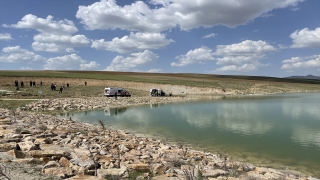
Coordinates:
276 38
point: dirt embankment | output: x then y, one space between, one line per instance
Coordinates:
234 87
175 89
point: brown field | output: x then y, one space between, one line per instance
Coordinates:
138 84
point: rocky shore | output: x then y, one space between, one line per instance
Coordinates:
34 145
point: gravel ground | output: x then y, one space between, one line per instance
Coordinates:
19 171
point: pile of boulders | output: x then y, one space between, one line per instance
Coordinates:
75 150
99 103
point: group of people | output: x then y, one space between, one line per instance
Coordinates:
32 84
54 87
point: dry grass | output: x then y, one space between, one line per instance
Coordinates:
138 84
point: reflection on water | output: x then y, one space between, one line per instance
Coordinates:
283 129
306 136
114 111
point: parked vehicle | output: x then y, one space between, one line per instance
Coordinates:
115 91
157 92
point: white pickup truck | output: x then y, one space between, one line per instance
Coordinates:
115 91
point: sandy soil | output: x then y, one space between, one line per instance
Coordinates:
175 89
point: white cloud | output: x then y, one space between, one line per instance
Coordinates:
245 48
161 2
292 60
301 62
92 65
16 54
58 43
26 68
55 36
243 68
5 36
50 47
133 42
47 25
244 56
120 63
266 15
138 16
295 9
70 62
306 38
212 35
236 60
198 55
106 14
155 71
280 46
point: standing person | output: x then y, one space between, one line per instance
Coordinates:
61 88
85 83
40 83
30 83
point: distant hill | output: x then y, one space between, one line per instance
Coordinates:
305 77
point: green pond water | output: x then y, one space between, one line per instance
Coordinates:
282 131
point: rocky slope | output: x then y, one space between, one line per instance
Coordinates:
40 146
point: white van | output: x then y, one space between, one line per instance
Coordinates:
113 91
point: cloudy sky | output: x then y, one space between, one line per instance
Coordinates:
276 38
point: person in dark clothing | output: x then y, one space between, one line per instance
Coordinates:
40 83
22 84
61 88
30 83
53 87
115 96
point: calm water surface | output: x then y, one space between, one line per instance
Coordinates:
282 130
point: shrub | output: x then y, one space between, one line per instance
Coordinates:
43 128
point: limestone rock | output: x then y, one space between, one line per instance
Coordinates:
62 172
101 173
248 167
7 146
140 167
214 173
29 161
64 162
159 168
85 177
83 162
51 164
17 153
28 146
45 153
